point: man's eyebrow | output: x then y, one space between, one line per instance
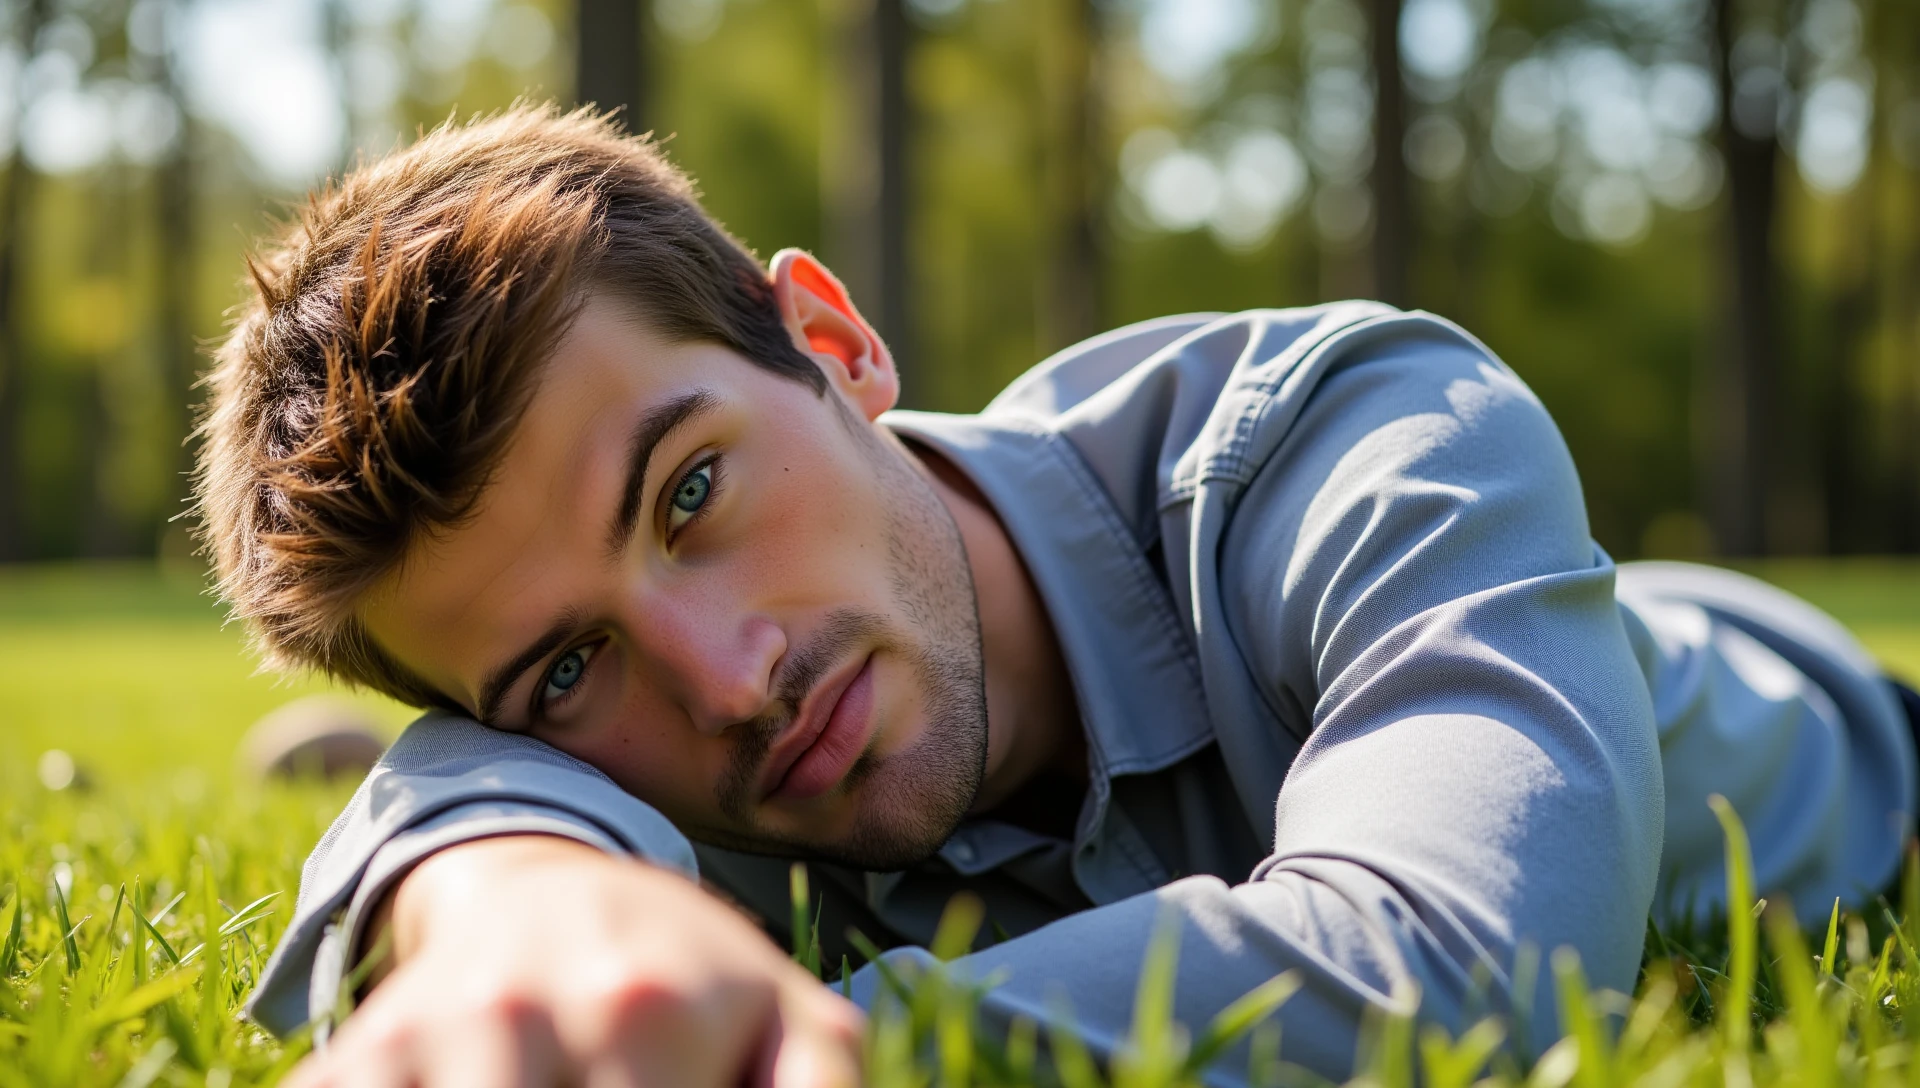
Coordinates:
493 690
653 428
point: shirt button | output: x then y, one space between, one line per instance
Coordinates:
962 853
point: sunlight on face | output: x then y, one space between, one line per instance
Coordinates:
737 598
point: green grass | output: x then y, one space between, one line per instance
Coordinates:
172 855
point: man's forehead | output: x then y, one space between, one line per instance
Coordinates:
462 590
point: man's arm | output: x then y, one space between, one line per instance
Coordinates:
1480 770
534 960
444 782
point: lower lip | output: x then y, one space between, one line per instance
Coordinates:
823 766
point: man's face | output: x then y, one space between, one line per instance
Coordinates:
734 596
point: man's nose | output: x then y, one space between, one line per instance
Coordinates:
721 667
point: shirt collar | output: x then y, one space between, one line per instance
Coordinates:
1132 663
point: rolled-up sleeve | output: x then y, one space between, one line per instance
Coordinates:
1413 587
447 780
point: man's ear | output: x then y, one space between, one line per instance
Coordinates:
827 328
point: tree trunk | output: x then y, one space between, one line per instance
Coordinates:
1904 294
1893 43
1739 474
175 280
14 207
609 67
1072 156
1392 211
864 167
893 41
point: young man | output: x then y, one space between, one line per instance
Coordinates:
1284 625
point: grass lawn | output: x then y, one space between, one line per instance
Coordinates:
129 671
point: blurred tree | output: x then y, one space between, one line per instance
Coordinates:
1589 184
174 279
893 43
1746 434
1392 208
1892 34
609 58
1073 156
864 160
14 209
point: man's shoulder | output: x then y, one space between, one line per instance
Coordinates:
1076 372
1206 349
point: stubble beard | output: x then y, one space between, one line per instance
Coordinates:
908 802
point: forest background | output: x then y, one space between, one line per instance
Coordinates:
1693 226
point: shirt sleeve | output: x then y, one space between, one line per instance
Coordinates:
447 780
1414 589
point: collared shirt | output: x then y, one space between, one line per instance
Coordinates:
1362 700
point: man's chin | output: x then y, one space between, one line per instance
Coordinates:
860 851
875 821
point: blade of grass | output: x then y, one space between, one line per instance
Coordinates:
1071 1062
1154 1050
137 938
1449 1063
166 948
891 978
248 915
1578 1020
144 998
1263 1056
959 923
1742 932
10 952
1830 952
813 939
1818 1042
1388 1038
1910 894
113 920
161 914
67 945
151 1064
797 903
1023 1046
1237 1019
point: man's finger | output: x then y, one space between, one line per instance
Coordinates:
809 1059
502 1047
352 1068
816 1044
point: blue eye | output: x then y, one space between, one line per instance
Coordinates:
692 494
566 673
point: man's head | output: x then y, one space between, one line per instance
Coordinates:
513 428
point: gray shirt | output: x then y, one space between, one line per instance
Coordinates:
1362 700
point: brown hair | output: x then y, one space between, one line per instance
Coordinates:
374 376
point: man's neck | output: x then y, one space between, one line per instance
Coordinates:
1033 724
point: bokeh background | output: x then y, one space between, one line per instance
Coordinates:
1692 225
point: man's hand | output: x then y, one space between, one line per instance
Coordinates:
535 961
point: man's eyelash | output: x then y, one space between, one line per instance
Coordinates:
541 704
712 465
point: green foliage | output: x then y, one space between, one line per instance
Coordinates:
761 100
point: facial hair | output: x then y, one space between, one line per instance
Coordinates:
911 801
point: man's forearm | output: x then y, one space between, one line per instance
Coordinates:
446 781
449 880
582 966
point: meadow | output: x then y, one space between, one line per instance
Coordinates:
138 903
